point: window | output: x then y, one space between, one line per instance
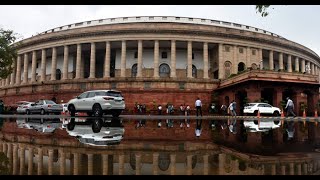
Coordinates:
37 65
177 18
113 19
192 55
91 94
101 20
253 52
125 19
227 48
136 55
151 18
254 66
78 24
164 18
240 50
203 20
89 22
83 95
164 70
138 18
190 19
134 70
164 55
215 22
194 71
58 74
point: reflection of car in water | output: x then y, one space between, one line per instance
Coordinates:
39 124
253 126
96 131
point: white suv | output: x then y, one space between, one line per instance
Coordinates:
264 108
97 102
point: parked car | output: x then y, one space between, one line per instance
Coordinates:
96 131
22 108
264 108
39 124
45 107
253 126
98 102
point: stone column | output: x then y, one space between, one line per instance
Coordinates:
22 156
15 159
50 161
123 59
260 59
221 61
25 69
291 168
305 169
8 81
248 61
205 61
107 61
222 161
10 156
308 63
235 60
18 76
139 68
156 59
289 63
281 61
205 164
173 164
54 64
40 160
78 61
312 68
189 165
271 60
105 164
121 164
297 64
30 160
33 66
43 64
173 59
273 169
155 162
75 163
93 61
65 62
298 169
303 66
189 74
90 164
62 162
283 170
13 74
138 164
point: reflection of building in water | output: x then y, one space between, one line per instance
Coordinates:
31 152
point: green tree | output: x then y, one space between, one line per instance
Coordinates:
7 52
262 9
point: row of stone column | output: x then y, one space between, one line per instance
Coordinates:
15 77
297 168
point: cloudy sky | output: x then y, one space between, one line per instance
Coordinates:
298 23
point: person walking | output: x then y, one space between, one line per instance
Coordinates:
289 107
198 105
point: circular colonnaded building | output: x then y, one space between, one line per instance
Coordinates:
158 60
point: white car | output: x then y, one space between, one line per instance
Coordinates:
264 108
96 132
39 124
97 102
22 108
264 126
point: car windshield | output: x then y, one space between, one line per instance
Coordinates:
251 104
109 93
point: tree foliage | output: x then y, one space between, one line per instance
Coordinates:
262 9
7 52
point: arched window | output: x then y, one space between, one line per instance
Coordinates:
227 69
58 74
134 70
164 70
241 66
194 71
254 66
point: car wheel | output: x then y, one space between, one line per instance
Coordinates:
97 111
28 112
72 110
276 113
42 112
96 125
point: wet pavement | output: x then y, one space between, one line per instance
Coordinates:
158 145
